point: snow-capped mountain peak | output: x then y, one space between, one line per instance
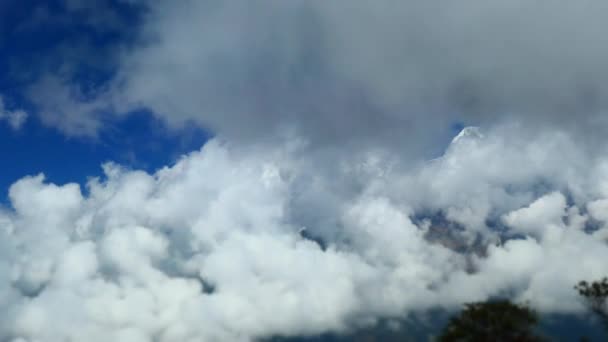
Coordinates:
468 134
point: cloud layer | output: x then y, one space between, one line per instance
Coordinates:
339 73
359 71
316 208
235 243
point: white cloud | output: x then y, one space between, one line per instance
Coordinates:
545 213
211 249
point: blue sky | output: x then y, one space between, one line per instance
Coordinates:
30 47
139 141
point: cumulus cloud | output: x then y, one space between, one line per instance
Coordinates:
223 245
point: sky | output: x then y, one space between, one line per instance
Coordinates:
239 171
33 32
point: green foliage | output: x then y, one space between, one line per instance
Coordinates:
492 321
596 297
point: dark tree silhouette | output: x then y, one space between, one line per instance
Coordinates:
596 297
499 321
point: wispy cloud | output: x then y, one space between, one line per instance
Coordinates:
15 118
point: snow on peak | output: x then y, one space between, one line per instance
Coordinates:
468 138
468 134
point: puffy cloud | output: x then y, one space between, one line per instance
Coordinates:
545 213
223 244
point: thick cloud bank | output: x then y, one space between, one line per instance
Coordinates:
354 71
341 74
233 243
315 208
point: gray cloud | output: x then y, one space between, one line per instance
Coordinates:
355 73
352 71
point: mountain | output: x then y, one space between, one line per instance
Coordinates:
471 133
